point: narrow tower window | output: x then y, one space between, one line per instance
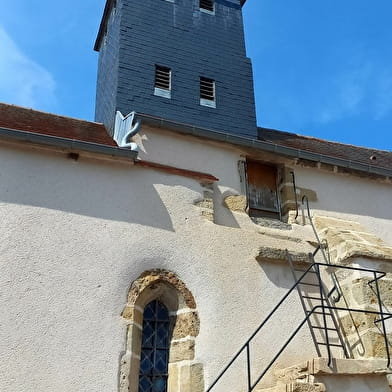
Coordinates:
207 92
162 81
155 348
207 5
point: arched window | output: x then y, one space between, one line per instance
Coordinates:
154 356
162 319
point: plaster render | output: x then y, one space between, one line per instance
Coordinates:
76 233
361 200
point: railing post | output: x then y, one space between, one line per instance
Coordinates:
248 367
323 312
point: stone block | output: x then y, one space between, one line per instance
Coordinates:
207 214
186 324
172 381
134 339
319 367
348 239
133 314
364 294
323 222
156 277
268 254
357 322
191 378
182 350
236 203
374 344
296 387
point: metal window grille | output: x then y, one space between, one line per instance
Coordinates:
162 77
207 89
207 5
155 348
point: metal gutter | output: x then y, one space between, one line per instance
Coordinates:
263 146
70 144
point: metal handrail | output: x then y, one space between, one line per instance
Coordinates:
321 248
323 307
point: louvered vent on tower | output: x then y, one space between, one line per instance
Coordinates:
162 77
207 5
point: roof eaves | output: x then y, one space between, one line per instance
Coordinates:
266 146
71 144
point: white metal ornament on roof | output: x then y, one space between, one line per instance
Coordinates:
125 129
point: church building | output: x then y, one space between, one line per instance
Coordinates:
172 245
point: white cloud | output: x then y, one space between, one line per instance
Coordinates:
345 93
23 81
364 90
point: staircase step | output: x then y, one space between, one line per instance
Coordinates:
306 371
296 387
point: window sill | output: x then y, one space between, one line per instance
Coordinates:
160 92
207 11
208 103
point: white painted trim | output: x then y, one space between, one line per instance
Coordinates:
207 102
161 92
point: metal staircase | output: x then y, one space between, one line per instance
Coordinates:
319 291
323 323
325 330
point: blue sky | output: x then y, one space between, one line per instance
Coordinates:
321 68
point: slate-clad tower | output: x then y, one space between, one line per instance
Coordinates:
181 60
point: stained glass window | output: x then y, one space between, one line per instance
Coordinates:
155 348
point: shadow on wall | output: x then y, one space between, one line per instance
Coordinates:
278 274
222 215
113 192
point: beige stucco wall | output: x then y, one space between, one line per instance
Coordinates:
368 202
75 234
74 237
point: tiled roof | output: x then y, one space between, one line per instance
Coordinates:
369 156
29 120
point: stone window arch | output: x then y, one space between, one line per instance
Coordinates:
185 374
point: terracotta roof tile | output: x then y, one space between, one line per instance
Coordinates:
369 156
29 120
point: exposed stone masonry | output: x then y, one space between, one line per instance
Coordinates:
185 375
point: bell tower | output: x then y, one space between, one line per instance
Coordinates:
180 60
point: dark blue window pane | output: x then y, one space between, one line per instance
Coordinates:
144 384
149 312
162 313
159 384
161 361
148 334
155 348
162 335
146 361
